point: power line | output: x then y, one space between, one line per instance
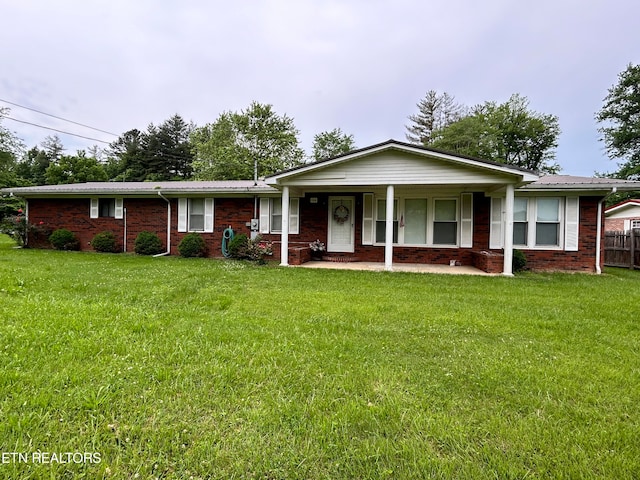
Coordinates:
56 130
59 118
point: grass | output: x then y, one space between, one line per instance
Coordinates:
191 368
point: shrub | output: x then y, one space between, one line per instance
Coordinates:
192 245
147 243
63 239
18 228
238 246
105 242
241 247
519 262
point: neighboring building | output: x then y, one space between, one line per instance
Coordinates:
623 217
391 202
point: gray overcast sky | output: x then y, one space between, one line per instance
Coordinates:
360 65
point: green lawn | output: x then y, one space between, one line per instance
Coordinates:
190 368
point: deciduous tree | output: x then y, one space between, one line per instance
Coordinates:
331 144
507 132
75 169
620 123
229 148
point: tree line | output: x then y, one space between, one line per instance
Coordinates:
259 141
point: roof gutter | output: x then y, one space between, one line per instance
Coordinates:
168 226
599 228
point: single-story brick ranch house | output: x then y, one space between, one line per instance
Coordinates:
392 202
623 216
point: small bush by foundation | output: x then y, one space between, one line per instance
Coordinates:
147 243
63 239
192 245
105 242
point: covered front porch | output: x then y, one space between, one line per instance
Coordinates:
397 204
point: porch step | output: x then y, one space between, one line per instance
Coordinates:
340 258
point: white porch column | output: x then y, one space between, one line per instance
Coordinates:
388 237
284 236
508 232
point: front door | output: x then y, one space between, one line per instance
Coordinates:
341 224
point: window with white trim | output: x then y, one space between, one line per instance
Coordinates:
635 223
547 222
271 215
539 222
275 210
195 213
445 221
381 223
106 208
415 221
422 221
520 221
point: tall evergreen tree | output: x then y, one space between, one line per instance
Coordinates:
435 111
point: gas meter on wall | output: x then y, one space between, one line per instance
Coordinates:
255 224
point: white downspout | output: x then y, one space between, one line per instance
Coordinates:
599 228
124 240
168 226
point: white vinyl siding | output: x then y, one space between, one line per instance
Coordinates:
271 215
195 215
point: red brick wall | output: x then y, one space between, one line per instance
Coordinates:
614 224
151 214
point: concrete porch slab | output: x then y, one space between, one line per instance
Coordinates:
398 267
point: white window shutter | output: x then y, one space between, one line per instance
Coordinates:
119 212
264 215
208 215
466 220
94 210
572 224
294 215
367 219
495 235
182 214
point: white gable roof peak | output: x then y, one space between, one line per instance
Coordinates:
453 165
